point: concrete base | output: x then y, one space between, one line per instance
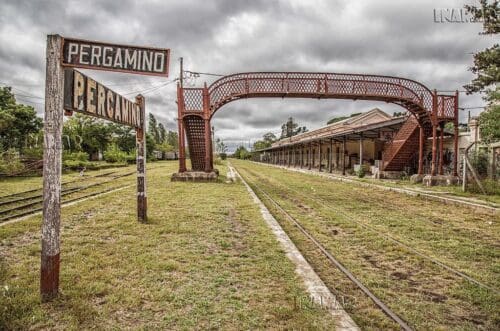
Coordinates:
416 178
389 174
195 176
440 180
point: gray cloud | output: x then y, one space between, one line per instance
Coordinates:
227 36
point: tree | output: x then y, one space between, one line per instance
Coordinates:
341 118
220 147
87 134
291 128
162 134
173 139
153 129
241 153
270 137
266 142
486 67
490 124
17 121
123 137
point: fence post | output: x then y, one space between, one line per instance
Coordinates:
140 138
52 159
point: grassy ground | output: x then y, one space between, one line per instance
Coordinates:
205 260
12 185
424 294
453 191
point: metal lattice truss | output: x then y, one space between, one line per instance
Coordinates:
427 106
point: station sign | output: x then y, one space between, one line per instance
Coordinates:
84 95
111 57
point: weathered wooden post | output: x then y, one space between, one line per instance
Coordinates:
140 138
52 159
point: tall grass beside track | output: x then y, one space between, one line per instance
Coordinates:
204 260
426 295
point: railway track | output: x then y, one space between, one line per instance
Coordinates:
20 196
410 249
265 189
30 202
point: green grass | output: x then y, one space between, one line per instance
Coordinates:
424 294
204 260
452 191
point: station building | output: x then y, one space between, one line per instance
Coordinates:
384 145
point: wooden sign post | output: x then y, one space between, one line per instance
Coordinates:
69 90
140 139
52 160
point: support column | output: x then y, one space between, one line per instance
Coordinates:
301 156
208 135
455 138
361 150
343 155
52 165
330 157
320 154
434 132
309 157
434 149
441 138
180 127
421 143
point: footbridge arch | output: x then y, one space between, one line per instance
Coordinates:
196 106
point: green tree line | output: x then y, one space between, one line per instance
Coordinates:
84 137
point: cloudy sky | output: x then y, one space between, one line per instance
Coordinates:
385 37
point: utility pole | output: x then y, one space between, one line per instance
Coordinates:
181 74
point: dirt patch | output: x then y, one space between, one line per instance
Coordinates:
238 230
399 275
371 260
434 297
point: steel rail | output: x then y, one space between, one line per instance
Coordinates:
397 241
64 192
39 189
34 211
339 265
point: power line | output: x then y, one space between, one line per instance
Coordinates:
197 73
151 89
478 107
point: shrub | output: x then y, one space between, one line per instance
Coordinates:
223 156
479 161
33 153
114 154
218 161
361 172
10 163
75 156
75 164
